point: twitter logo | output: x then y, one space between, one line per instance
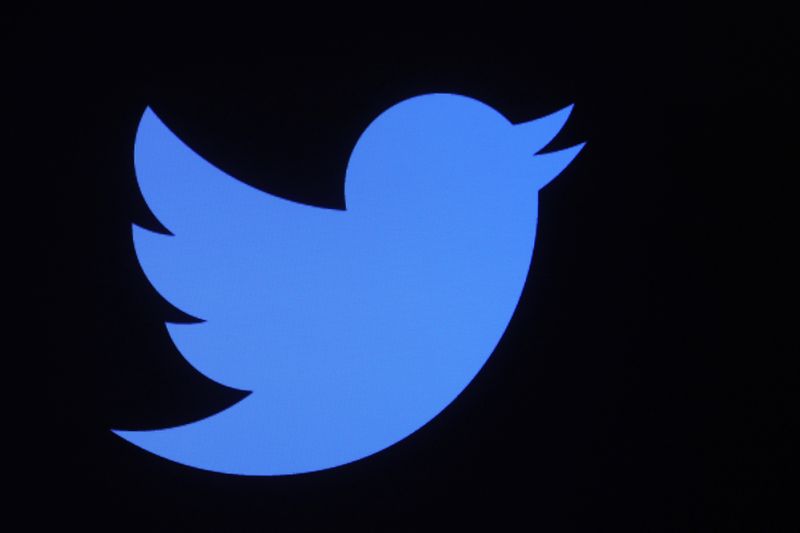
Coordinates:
354 328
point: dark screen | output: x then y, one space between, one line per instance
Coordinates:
629 393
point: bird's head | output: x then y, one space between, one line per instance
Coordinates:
451 152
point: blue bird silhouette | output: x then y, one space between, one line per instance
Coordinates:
351 328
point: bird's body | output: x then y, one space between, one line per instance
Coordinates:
352 328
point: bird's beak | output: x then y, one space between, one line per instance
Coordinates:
536 134
547 166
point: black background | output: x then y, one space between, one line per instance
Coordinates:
642 385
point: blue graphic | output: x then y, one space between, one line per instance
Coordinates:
351 328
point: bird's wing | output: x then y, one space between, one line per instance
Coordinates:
243 261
